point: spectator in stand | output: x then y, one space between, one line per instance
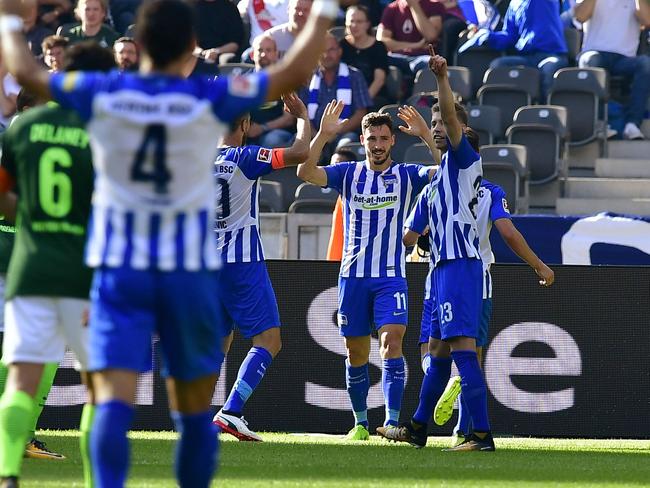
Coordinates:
123 13
34 31
611 40
453 24
535 30
335 80
263 15
9 90
363 51
270 125
285 34
407 27
92 14
54 13
126 54
219 29
53 49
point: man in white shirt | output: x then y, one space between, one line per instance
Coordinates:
263 14
611 39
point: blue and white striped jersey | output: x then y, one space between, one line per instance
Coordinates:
492 206
375 206
238 170
153 140
452 200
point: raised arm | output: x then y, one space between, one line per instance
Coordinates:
300 61
329 126
416 126
299 150
643 12
429 27
454 129
520 247
16 53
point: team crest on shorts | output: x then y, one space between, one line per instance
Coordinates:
264 155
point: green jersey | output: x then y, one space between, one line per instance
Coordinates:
7 231
47 152
105 37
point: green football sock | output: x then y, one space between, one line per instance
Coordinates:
16 411
49 372
4 371
87 416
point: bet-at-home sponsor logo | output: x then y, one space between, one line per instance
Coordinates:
374 202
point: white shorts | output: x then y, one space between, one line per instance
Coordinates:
37 330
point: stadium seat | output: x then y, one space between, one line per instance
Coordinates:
486 121
403 141
418 153
506 165
289 182
270 196
357 148
459 79
235 68
394 80
338 32
477 60
509 87
313 199
584 93
542 130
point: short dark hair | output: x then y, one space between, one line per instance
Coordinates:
88 56
472 137
375 119
165 30
54 41
346 154
234 124
461 112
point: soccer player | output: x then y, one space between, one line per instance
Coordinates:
35 448
377 194
47 282
154 135
451 200
246 291
492 211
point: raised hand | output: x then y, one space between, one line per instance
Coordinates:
330 123
293 105
415 124
437 63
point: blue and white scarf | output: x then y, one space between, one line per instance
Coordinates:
343 92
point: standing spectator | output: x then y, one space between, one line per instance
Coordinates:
363 51
270 124
611 39
407 27
219 29
535 30
335 80
263 15
92 14
285 34
53 49
34 31
126 54
453 24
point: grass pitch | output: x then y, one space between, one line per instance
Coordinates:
329 461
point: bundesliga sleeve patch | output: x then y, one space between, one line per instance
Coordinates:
264 155
505 205
243 86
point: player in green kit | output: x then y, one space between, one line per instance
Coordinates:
35 448
46 158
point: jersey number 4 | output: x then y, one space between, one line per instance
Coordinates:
154 143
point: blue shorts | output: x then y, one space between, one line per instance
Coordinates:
458 290
486 315
367 303
247 298
128 306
